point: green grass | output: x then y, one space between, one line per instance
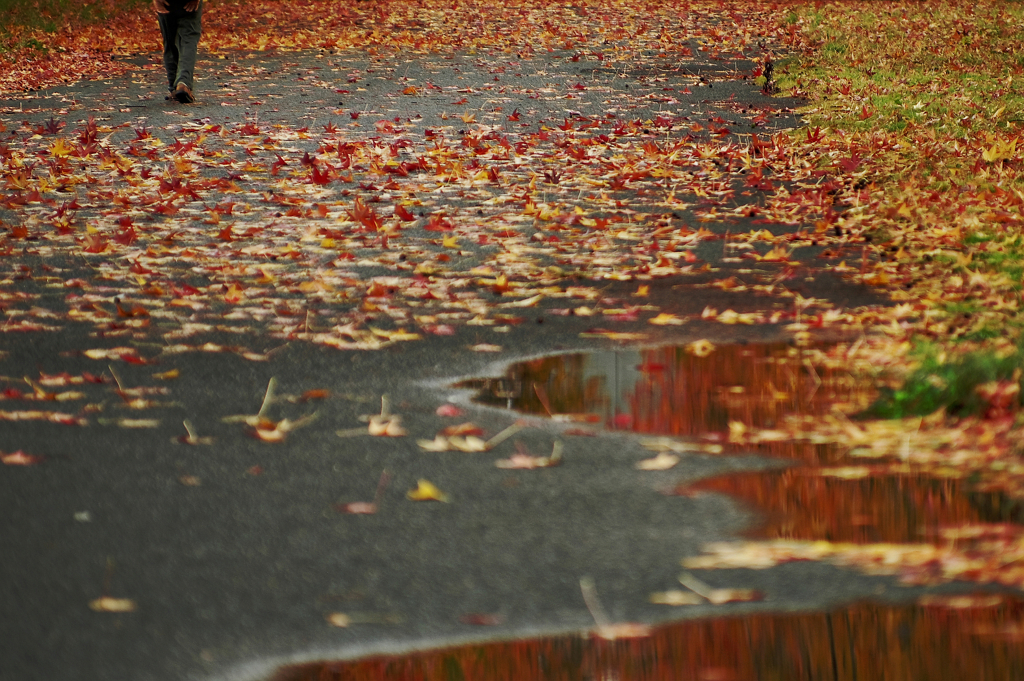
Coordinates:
943 383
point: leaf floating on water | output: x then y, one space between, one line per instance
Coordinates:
961 601
700 348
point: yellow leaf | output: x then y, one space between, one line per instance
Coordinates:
451 242
666 319
700 348
777 254
426 491
339 619
108 604
661 462
60 148
675 597
396 335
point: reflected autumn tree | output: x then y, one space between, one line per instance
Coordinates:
811 504
952 639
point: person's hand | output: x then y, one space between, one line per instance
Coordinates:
191 5
161 6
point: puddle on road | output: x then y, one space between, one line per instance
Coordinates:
968 637
679 392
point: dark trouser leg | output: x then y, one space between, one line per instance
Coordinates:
169 31
190 28
181 31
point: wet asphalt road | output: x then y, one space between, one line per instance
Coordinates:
233 552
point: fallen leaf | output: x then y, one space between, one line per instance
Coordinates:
448 410
108 604
426 491
661 462
19 458
676 597
525 461
339 619
666 319
700 348
357 508
386 426
190 437
717 596
438 444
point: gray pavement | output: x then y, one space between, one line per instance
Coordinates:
233 552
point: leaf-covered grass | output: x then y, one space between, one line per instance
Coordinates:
23 20
927 99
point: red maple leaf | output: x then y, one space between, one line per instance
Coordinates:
320 177
364 215
402 213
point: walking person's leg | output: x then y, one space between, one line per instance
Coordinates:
169 31
190 30
181 27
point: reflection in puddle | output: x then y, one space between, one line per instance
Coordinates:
972 637
826 496
672 391
830 504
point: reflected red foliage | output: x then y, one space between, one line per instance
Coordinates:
800 503
865 641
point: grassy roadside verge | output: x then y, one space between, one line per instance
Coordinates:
921 108
25 20
48 42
